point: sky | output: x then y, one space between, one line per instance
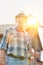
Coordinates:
10 8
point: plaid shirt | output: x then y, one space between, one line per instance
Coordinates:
16 42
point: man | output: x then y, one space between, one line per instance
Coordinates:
16 43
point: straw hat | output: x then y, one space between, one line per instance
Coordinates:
21 14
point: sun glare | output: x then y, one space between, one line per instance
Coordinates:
31 22
31 26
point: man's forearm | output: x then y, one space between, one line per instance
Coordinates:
2 57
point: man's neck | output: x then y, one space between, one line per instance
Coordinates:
19 28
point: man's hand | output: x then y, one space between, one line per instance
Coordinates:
36 55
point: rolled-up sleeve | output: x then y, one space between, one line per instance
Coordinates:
3 42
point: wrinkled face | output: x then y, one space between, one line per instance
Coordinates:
20 21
